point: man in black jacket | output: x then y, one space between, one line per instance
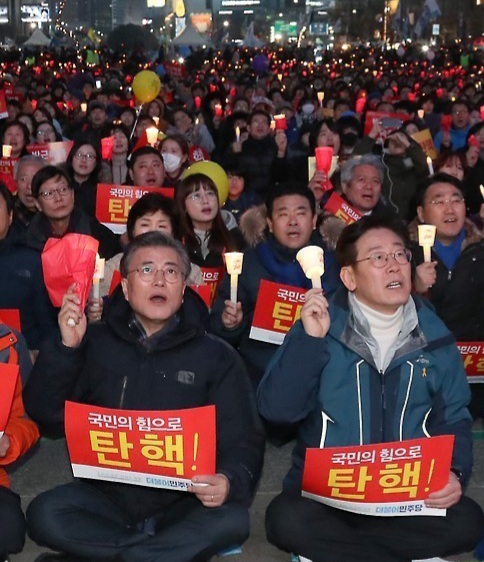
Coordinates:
148 354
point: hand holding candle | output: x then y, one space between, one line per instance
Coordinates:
426 239
98 275
311 259
233 263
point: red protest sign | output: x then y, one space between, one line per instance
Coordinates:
276 310
3 105
8 377
212 276
205 292
340 208
385 479
113 202
11 317
54 153
7 165
158 449
473 357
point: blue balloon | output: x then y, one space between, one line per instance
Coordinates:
160 70
260 64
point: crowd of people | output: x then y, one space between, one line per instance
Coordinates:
373 357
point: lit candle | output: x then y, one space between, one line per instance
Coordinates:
156 120
430 166
7 150
426 239
421 113
98 275
233 263
237 134
279 77
218 110
311 260
83 107
281 124
321 98
152 135
482 190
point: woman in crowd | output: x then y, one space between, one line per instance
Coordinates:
174 150
17 136
84 168
119 164
196 133
45 132
203 229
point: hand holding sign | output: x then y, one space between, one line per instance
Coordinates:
314 314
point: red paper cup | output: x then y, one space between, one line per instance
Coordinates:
281 124
324 157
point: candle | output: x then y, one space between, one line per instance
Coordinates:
152 135
421 113
311 259
481 110
198 102
156 120
218 110
233 263
482 190
6 150
426 239
98 275
280 120
321 98
430 166
237 134
279 77
273 125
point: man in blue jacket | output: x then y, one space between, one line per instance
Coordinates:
379 366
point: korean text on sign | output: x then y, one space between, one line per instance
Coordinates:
379 479
134 446
473 357
276 310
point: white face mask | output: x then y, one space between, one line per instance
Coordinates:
171 161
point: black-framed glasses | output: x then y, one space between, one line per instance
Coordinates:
62 191
147 272
380 259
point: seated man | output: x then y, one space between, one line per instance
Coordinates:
54 198
147 354
454 279
291 219
363 381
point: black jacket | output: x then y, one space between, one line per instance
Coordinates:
115 368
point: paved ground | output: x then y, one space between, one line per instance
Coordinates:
48 467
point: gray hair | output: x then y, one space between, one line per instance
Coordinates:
29 159
155 240
348 168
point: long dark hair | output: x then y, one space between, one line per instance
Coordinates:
220 240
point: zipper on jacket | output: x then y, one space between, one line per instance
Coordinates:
123 390
383 405
449 275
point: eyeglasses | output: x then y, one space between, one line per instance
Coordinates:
198 196
380 259
81 155
62 191
453 201
42 133
148 273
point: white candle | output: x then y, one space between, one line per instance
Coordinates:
234 278
430 166
98 275
421 113
237 134
311 260
6 150
321 98
482 190
426 239
83 107
233 263
152 135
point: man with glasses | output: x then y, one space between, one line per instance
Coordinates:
150 353
57 216
456 137
454 280
378 366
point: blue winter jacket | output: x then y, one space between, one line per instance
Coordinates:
333 388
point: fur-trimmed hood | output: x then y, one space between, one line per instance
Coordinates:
253 224
473 235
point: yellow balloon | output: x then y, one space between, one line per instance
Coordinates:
215 172
146 86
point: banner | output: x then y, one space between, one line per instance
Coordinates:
340 208
389 121
3 105
8 376
385 479
426 142
157 449
113 203
11 317
212 276
473 357
7 166
55 153
276 310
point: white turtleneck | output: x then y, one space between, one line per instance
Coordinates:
383 327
